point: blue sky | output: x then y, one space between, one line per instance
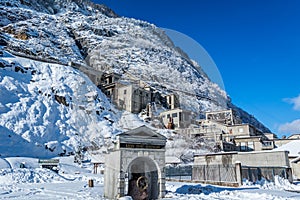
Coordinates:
255 45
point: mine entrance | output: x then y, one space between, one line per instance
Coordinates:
143 179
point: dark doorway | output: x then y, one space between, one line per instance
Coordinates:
143 179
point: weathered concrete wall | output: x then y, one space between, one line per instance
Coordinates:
296 170
215 159
219 168
181 118
111 175
258 158
263 158
132 98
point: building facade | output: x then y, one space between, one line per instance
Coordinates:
230 134
136 166
132 98
179 118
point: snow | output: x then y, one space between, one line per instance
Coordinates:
131 47
71 182
49 109
53 109
202 191
292 147
31 117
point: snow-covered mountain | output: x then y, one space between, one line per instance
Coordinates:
47 103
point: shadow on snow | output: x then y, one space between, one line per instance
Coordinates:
207 189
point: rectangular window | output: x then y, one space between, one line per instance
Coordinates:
251 145
174 115
267 144
243 146
125 91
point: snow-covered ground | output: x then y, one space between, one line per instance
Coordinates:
49 108
72 180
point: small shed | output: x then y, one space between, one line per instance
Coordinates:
98 161
136 166
172 161
51 164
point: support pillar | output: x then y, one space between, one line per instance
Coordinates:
238 172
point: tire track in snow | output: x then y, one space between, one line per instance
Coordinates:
8 163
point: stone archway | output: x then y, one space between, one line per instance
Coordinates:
143 179
139 156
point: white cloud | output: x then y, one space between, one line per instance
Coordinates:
293 126
295 101
290 127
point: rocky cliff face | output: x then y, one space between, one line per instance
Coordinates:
63 31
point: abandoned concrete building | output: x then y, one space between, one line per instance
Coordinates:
229 133
126 96
132 98
172 101
177 118
108 84
227 117
224 127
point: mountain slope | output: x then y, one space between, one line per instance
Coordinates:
51 103
51 106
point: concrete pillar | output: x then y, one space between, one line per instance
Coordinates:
238 172
121 184
162 187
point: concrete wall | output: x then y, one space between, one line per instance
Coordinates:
263 158
124 97
223 116
111 175
256 159
253 144
172 101
133 99
140 99
214 159
239 130
219 167
181 118
296 170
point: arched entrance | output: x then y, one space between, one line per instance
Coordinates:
143 179
136 166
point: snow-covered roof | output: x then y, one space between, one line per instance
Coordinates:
97 158
292 147
296 160
142 131
172 160
294 136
